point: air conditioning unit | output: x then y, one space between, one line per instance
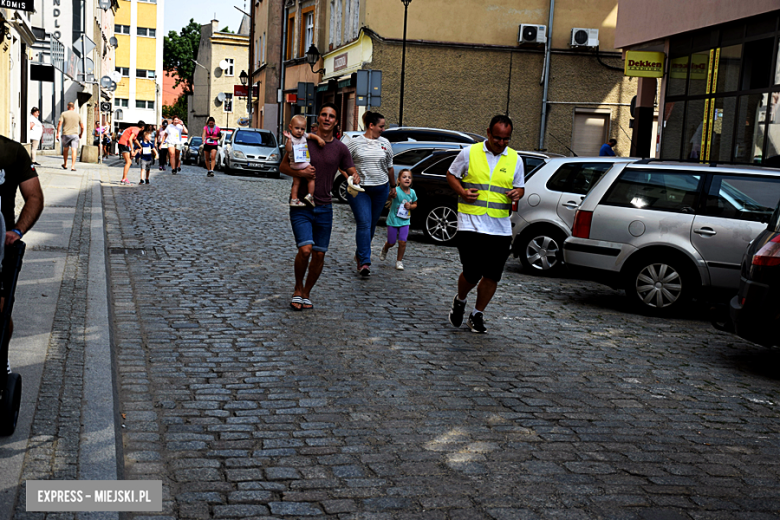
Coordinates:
584 37
533 34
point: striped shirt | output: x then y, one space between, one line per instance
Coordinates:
373 159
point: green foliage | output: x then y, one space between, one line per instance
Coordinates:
178 52
227 30
177 109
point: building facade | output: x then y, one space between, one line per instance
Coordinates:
139 29
213 85
720 90
266 68
465 63
16 40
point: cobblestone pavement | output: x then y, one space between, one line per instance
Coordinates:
372 406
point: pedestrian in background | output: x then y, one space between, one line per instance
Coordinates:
210 138
162 145
312 226
72 130
373 158
34 134
173 135
106 142
607 148
148 155
399 217
127 140
487 177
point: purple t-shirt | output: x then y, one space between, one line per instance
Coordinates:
327 161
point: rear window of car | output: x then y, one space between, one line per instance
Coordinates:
441 167
254 138
413 156
577 178
659 190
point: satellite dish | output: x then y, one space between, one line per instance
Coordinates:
114 76
112 87
221 97
105 82
114 42
223 65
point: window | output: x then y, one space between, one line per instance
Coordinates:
742 198
121 102
227 105
262 48
654 190
577 178
122 29
531 164
140 103
124 71
412 157
441 167
229 70
290 31
149 1
256 138
142 73
143 31
307 30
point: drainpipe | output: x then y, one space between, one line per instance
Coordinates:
543 119
281 74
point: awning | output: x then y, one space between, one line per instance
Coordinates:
324 86
345 81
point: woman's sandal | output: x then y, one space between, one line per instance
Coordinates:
307 304
296 300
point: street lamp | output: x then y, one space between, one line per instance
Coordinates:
403 65
244 77
312 57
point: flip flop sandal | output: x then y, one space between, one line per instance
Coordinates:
307 304
296 300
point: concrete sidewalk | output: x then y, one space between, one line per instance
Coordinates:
61 343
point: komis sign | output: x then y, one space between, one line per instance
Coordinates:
18 5
644 64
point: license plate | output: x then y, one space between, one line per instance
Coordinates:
253 165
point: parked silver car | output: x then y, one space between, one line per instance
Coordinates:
664 231
545 214
252 150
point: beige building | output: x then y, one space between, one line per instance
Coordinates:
16 40
720 85
465 63
221 59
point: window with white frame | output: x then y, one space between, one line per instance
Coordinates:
309 21
124 71
262 47
143 31
148 1
144 74
122 29
229 70
119 102
140 103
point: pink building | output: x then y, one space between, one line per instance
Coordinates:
171 94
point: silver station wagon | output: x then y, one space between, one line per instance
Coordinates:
665 231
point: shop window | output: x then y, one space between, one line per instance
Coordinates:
728 68
699 67
756 66
749 134
732 34
773 125
672 131
762 25
678 76
777 67
693 130
722 129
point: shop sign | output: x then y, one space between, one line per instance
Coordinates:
678 67
18 5
340 62
644 64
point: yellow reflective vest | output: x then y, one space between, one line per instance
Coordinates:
493 188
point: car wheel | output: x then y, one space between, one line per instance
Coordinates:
541 251
340 188
660 285
441 224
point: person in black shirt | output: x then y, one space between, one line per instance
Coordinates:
16 171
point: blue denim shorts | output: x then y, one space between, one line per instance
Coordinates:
312 226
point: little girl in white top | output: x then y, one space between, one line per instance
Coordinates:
298 150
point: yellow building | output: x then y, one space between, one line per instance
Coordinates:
138 27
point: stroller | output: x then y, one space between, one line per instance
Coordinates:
10 384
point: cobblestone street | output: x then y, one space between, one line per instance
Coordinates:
372 406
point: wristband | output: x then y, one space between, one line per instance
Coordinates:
17 232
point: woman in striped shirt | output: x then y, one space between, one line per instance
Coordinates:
373 158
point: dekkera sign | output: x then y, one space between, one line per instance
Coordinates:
644 64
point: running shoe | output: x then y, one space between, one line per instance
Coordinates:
210 174
456 312
365 270
399 265
147 181
383 254
476 323
142 182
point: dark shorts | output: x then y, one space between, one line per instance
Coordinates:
312 226
209 147
124 149
483 255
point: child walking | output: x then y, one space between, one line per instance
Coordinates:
298 150
399 216
148 155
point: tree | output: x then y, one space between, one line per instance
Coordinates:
178 109
226 29
178 52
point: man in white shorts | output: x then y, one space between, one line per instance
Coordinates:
72 130
173 133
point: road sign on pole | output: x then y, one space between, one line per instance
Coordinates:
368 88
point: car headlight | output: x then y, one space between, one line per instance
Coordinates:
238 154
274 156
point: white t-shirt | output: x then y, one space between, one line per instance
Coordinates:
36 132
373 159
173 134
485 223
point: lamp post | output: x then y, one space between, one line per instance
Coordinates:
312 57
403 65
244 77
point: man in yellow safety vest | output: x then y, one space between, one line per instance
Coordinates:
487 177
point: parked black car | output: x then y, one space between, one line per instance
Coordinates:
755 311
409 133
437 207
190 155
